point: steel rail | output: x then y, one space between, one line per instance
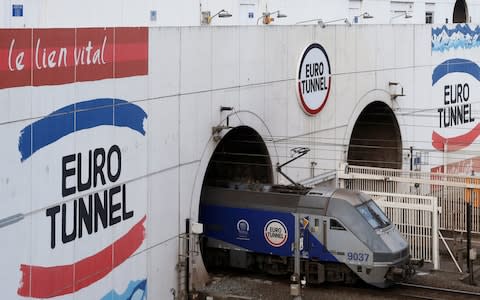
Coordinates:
438 289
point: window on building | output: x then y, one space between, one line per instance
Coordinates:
460 12
429 17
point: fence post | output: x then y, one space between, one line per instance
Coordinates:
435 248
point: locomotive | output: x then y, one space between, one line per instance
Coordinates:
342 235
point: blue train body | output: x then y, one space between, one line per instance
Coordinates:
342 235
249 230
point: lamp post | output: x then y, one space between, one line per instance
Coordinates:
323 23
404 14
364 15
221 14
268 17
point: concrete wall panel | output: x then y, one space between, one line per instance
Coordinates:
195 73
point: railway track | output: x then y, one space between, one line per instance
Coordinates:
415 291
243 285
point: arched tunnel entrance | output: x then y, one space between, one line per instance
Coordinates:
241 156
376 140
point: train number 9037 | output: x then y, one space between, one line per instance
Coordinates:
356 256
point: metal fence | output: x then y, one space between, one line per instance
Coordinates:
417 219
452 191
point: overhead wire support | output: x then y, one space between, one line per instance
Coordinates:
301 151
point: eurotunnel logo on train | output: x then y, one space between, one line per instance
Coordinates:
92 179
275 233
243 229
314 79
36 57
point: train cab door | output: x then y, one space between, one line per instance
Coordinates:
339 239
313 235
313 250
305 235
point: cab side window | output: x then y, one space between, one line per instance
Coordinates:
335 225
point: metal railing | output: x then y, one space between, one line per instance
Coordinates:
416 217
452 191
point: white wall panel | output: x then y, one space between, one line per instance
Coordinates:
346 49
164 62
252 98
19 235
132 89
15 178
189 177
275 54
195 125
366 48
252 56
225 57
385 47
275 98
345 86
195 73
162 260
163 141
163 208
423 51
15 104
365 82
404 47
92 90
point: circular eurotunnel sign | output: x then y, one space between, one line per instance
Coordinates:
314 79
275 233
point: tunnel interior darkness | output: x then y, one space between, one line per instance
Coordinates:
460 12
376 140
241 156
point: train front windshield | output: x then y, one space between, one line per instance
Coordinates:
373 214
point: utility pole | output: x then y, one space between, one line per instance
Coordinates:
411 158
295 287
470 255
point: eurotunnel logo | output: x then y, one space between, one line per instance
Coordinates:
314 79
275 233
94 211
243 229
457 108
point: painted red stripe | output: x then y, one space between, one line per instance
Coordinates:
124 45
48 282
455 143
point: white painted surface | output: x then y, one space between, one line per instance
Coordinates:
193 71
88 13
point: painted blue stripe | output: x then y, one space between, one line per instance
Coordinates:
455 65
79 116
